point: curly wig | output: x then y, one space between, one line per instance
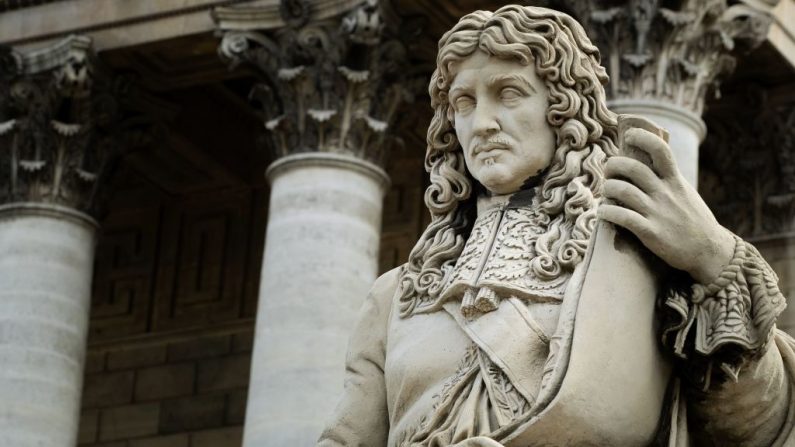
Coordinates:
569 64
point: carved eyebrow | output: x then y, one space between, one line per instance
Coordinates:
457 88
503 78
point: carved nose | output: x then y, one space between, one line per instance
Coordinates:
485 122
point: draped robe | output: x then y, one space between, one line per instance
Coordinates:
472 372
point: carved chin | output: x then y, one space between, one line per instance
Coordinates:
498 179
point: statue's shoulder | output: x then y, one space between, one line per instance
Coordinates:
384 287
377 308
380 299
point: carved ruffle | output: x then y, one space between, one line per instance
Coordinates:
738 309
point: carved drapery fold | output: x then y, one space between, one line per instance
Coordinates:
671 54
330 85
61 124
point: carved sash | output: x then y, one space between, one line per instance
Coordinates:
512 341
609 382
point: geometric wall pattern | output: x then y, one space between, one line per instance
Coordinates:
165 264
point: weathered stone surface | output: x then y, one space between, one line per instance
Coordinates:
243 342
46 262
132 421
59 126
95 362
108 389
324 217
89 427
165 381
226 437
201 347
192 413
236 407
181 440
136 357
223 373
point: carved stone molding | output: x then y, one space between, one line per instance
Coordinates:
676 54
748 169
61 125
329 85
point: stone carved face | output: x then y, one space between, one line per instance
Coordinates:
500 115
545 44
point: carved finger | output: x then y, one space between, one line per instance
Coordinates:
662 158
627 194
624 217
634 171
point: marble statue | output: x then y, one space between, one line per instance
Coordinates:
572 288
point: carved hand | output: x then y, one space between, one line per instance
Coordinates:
663 210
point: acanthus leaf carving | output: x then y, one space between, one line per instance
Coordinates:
332 85
62 126
673 55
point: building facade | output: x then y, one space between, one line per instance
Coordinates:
195 196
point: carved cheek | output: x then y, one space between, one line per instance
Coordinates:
463 127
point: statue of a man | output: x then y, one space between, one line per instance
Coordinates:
474 341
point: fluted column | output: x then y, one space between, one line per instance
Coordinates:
51 157
333 83
664 62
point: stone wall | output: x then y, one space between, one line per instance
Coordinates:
174 297
185 392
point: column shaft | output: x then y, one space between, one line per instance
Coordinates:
321 257
46 266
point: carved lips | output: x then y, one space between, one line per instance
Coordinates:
488 147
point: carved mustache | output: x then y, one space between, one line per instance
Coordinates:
491 144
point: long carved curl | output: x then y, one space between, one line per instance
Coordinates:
585 130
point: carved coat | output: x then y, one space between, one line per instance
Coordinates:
483 369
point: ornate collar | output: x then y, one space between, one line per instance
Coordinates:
495 262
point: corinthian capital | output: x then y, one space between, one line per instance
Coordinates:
673 55
58 124
332 81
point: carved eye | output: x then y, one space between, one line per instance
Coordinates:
510 93
463 103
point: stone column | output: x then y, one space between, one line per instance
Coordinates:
664 62
333 84
46 265
321 257
50 161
